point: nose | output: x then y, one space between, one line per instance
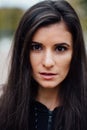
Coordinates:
48 60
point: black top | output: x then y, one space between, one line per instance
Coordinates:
41 117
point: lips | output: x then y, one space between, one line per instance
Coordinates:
48 76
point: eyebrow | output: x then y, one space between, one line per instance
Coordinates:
63 44
56 44
33 42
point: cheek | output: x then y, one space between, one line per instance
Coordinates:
34 60
65 63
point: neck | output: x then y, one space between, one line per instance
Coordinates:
48 97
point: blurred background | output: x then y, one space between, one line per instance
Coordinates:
10 14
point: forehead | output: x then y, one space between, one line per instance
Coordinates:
57 32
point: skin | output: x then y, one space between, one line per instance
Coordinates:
50 57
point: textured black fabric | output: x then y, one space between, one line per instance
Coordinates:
41 118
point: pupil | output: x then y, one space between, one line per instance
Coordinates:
59 48
37 46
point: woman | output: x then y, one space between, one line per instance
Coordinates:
46 88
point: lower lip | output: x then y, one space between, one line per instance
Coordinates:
47 77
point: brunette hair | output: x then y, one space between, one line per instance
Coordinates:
15 101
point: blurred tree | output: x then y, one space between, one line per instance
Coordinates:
9 19
81 8
84 5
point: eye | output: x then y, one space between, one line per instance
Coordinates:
61 48
36 47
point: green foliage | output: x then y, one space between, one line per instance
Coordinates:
83 3
9 19
81 8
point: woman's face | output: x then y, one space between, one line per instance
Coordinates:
51 54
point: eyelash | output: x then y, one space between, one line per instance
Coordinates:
36 47
58 48
61 48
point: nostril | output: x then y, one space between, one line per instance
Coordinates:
48 63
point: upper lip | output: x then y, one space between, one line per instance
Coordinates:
48 73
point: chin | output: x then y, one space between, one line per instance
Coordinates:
48 85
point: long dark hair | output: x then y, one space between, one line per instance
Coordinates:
15 101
